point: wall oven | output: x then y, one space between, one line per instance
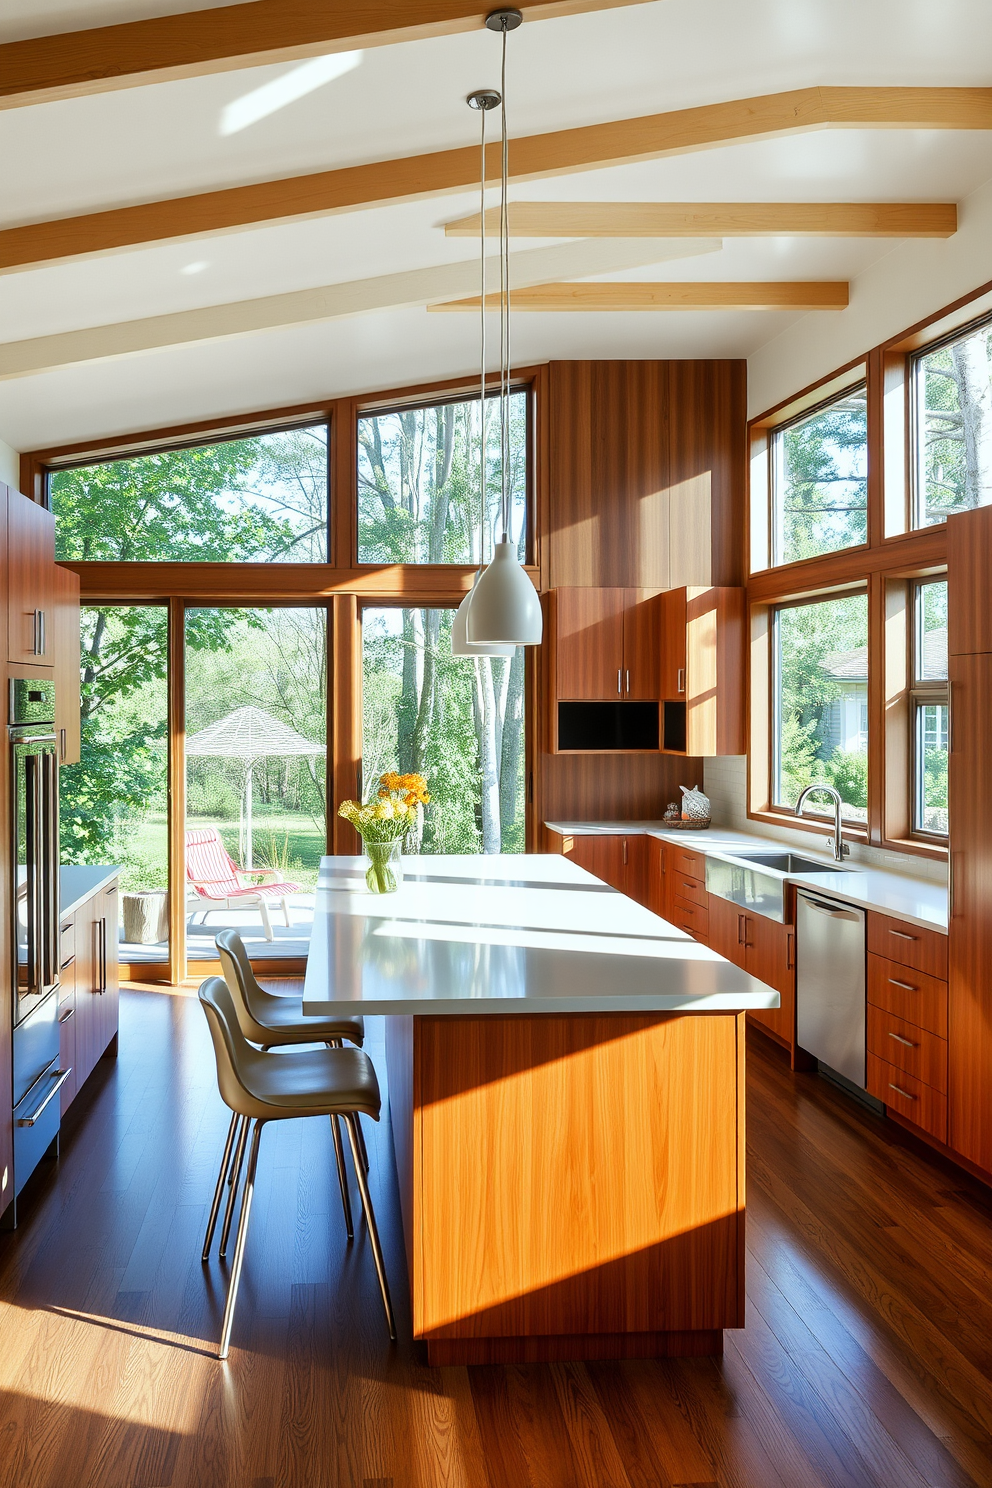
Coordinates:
34 776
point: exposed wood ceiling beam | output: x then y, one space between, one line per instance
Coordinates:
591 147
721 219
412 288
193 43
640 296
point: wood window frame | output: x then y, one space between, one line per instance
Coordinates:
341 586
894 558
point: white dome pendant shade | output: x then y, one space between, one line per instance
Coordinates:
505 609
460 643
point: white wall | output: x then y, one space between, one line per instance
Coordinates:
10 474
916 279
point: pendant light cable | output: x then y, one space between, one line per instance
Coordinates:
482 337
504 307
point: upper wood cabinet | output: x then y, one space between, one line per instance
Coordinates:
702 670
30 581
66 658
607 644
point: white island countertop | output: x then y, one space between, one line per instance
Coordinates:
921 901
505 934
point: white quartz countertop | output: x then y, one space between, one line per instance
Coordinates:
917 900
505 934
79 883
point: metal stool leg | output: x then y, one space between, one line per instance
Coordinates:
215 1206
239 1244
234 1179
351 1121
342 1176
361 1142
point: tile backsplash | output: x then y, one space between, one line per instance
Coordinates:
725 782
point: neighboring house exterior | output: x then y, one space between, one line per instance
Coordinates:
844 724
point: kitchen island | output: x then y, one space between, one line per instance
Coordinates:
566 1094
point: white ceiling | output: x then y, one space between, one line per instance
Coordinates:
164 140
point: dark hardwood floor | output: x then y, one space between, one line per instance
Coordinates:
866 1359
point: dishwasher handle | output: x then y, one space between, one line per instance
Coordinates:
834 910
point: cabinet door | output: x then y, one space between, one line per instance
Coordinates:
727 929
66 658
590 643
770 956
673 645
641 645
88 1017
969 990
107 912
657 876
30 581
637 869
602 855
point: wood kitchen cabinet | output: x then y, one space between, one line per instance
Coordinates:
30 581
95 974
702 670
621 860
765 949
607 644
66 660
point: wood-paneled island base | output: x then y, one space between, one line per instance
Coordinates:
566 1077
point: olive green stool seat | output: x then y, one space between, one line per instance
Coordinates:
258 1087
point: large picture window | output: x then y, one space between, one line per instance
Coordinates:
820 702
457 720
819 480
952 427
255 500
418 482
931 711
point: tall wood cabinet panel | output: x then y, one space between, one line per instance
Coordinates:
66 658
96 981
969 990
30 581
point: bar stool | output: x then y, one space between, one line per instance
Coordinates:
275 1021
259 1087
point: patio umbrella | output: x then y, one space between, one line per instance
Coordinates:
250 734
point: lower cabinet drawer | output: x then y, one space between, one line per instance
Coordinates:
690 890
909 994
910 1097
691 917
684 860
909 1048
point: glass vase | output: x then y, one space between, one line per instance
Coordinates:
385 871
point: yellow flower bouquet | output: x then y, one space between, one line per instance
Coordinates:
382 824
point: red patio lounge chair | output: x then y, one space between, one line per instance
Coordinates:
217 880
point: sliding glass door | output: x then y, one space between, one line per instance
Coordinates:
256 738
113 803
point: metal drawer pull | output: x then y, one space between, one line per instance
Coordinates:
688 885
627 680
619 677
906 986
66 1016
62 1076
69 961
900 1040
899 1091
681 679
901 934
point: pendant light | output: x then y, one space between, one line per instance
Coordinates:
483 100
504 609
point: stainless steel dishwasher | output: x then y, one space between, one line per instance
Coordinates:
830 983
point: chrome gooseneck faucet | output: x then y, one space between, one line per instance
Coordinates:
839 847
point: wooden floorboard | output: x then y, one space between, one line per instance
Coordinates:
865 1362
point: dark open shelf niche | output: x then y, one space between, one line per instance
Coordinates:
602 728
674 734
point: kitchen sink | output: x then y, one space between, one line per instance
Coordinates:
790 863
756 880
